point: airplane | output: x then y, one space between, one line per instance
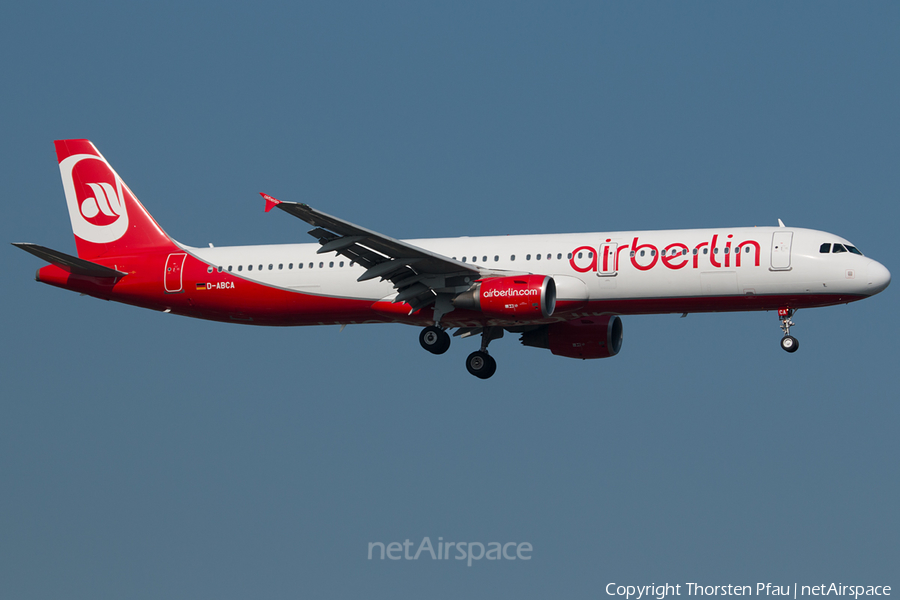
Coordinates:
562 292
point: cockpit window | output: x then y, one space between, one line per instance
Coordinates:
825 248
853 250
838 248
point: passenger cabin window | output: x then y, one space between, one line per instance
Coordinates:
512 257
496 258
824 248
249 267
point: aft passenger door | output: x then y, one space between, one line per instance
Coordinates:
173 276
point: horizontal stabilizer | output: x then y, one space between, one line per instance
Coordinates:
72 264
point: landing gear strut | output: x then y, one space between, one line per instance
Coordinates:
788 343
480 363
434 339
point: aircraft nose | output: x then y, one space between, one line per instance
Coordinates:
877 277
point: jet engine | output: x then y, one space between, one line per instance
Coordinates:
520 297
593 337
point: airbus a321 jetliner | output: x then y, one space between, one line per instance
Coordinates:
560 292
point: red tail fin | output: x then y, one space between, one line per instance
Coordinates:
107 218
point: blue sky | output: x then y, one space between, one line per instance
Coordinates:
144 455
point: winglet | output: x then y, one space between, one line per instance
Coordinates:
780 222
270 201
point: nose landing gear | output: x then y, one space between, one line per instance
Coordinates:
788 343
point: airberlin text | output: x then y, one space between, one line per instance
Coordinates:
661 591
607 258
511 292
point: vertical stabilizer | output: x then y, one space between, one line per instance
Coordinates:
107 218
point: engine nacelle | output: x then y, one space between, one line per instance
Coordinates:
520 297
591 337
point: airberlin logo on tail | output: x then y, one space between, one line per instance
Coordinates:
95 196
106 200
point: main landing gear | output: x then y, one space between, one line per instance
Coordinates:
479 363
788 343
434 339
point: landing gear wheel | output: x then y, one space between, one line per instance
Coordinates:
789 343
434 339
481 364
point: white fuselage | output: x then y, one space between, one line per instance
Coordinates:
689 263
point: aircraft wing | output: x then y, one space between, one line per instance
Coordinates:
419 275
